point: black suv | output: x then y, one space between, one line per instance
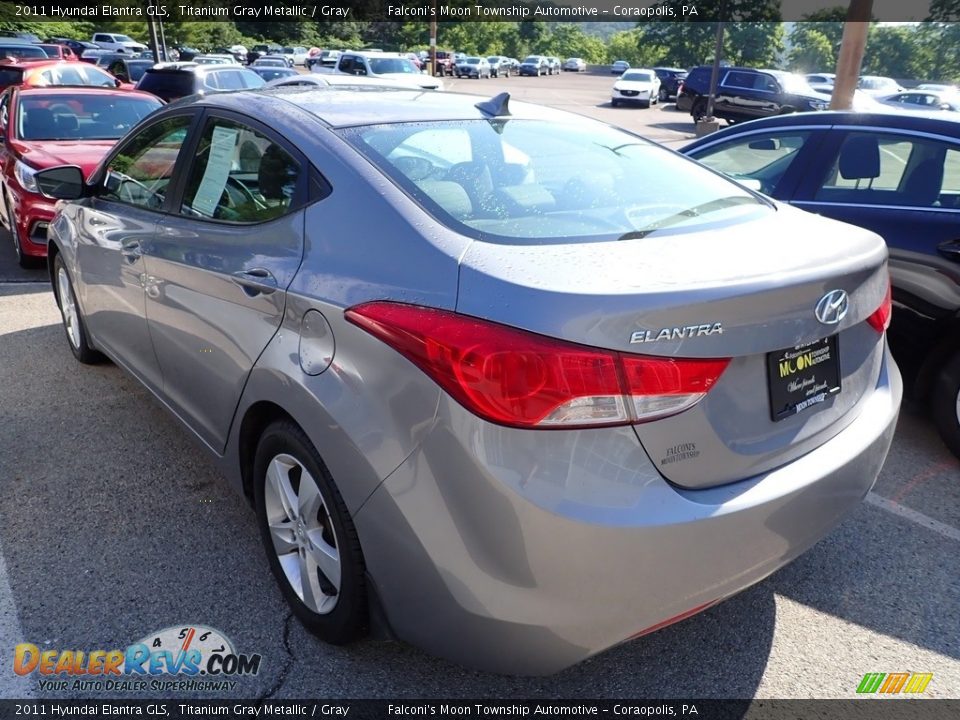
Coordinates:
746 94
670 79
178 80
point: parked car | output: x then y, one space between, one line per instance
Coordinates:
670 81
746 93
924 100
389 66
821 79
445 63
171 81
296 55
574 64
879 86
534 65
273 73
619 67
117 43
55 51
895 174
473 67
185 53
106 58
219 59
497 66
325 58
42 73
49 127
79 47
129 70
258 51
553 65
327 80
501 440
641 87
22 35
938 87
275 61
17 50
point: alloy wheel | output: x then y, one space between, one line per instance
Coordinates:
302 532
68 308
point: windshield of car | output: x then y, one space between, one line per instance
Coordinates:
473 61
533 59
638 77
875 83
493 59
269 73
80 116
123 39
381 66
537 181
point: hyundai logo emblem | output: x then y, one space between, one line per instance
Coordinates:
832 307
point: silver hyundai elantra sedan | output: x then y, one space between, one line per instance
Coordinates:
510 384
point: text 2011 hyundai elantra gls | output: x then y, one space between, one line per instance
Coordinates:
516 385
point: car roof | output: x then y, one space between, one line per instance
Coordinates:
337 106
935 122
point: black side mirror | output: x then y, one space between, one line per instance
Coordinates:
61 183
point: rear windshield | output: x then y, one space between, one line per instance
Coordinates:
22 51
535 181
167 84
81 117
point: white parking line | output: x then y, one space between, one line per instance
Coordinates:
11 633
919 518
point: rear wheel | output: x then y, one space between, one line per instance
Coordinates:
946 404
310 539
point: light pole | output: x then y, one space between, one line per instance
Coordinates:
851 54
433 40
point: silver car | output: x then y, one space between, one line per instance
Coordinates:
510 383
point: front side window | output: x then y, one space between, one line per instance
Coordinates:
763 159
239 175
141 172
536 181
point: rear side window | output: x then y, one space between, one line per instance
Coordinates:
239 175
11 76
536 181
889 169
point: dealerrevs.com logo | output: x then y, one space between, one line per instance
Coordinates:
188 658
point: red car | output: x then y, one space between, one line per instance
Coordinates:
59 52
47 127
44 73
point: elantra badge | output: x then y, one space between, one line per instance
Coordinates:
832 307
676 333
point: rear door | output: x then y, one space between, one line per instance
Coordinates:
220 265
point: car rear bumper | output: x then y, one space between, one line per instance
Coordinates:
525 552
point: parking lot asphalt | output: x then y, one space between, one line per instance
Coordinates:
114 525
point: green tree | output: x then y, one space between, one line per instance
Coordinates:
814 53
895 52
630 45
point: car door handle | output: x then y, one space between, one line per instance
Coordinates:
256 281
131 249
950 249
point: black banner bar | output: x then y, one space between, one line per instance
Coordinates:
626 11
873 708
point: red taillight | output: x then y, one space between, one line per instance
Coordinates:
517 378
880 318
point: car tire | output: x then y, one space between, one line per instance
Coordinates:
614 103
945 401
73 323
332 608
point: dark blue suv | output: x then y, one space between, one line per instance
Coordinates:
896 174
748 94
